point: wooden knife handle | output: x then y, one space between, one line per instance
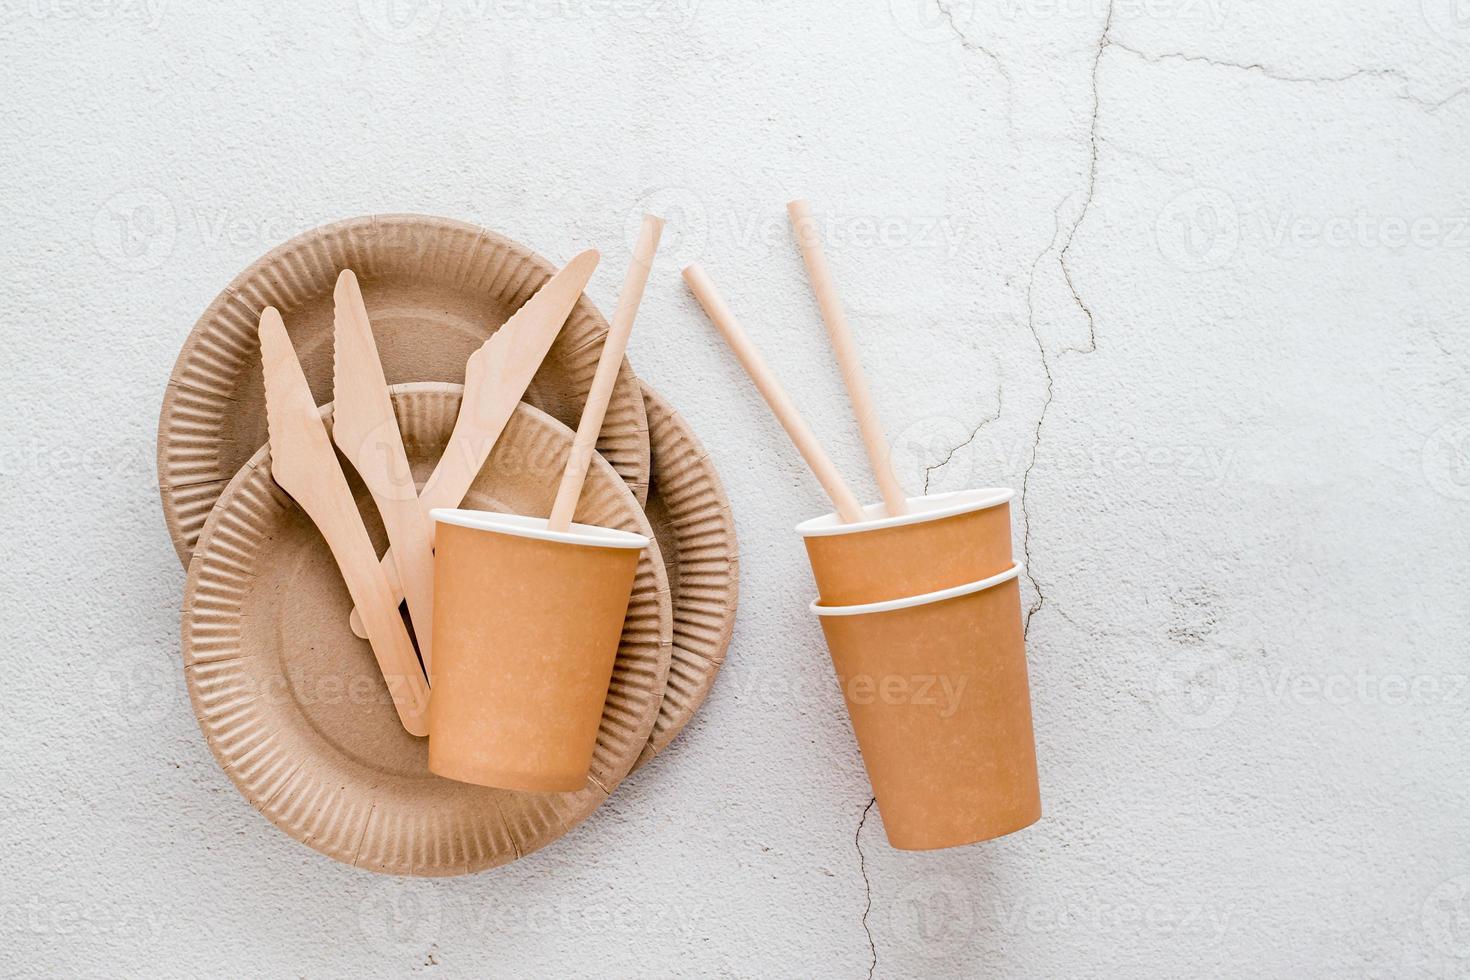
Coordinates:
371 594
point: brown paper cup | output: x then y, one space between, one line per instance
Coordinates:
530 621
937 692
944 540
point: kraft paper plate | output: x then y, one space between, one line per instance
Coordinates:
691 520
435 289
292 704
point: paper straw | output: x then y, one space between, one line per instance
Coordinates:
608 364
808 238
848 508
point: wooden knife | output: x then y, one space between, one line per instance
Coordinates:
495 378
303 463
366 430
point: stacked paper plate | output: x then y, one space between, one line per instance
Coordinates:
289 700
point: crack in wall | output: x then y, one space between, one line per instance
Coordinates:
1040 420
857 842
1103 42
1391 74
946 13
974 434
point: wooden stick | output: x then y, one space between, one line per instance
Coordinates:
809 239
570 490
848 508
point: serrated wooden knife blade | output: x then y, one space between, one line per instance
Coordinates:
366 430
304 465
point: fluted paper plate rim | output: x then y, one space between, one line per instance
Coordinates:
331 801
705 551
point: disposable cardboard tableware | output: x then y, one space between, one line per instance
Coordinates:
613 346
437 288
306 468
292 706
939 541
528 620
534 608
937 692
495 377
695 532
365 430
780 403
809 240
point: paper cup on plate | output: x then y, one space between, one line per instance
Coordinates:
527 623
936 688
944 540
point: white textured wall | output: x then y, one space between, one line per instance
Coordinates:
1193 275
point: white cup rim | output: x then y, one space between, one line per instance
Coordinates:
930 508
924 599
520 526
